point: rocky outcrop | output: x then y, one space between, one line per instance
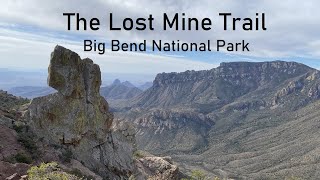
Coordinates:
155 168
9 101
10 171
78 118
307 85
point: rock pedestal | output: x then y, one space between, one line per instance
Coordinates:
78 118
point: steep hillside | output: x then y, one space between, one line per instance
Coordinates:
263 145
8 101
206 118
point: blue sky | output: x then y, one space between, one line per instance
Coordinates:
29 30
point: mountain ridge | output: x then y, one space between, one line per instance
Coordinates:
196 115
209 83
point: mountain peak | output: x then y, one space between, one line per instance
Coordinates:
128 84
116 82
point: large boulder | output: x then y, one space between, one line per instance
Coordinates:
78 118
156 168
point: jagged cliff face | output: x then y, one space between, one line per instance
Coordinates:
218 86
234 119
78 118
186 106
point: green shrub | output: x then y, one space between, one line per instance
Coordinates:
27 141
198 175
23 158
17 128
49 171
19 158
138 154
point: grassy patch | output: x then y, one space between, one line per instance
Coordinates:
138 154
49 171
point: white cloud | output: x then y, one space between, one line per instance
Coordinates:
26 50
293 27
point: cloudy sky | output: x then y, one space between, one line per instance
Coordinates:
29 30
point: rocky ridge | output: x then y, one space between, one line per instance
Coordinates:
77 119
217 86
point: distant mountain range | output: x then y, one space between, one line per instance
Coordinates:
240 120
38 78
31 91
120 90
117 90
145 86
15 78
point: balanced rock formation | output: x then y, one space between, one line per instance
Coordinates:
78 118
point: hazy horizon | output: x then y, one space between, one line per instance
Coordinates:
38 77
